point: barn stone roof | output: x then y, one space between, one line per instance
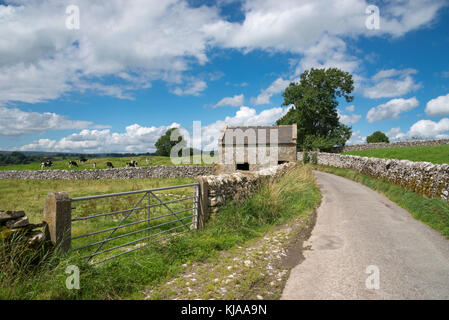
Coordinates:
287 134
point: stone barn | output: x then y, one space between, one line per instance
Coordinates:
256 147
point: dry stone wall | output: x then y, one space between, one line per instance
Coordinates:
217 190
382 145
425 178
117 173
12 222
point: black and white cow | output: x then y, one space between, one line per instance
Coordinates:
83 160
133 163
46 164
109 165
73 164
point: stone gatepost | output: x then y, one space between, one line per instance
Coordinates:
203 212
58 216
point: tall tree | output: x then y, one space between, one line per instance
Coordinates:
377 136
164 144
314 110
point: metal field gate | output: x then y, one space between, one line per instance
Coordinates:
110 225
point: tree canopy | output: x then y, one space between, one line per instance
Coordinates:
164 144
314 108
377 136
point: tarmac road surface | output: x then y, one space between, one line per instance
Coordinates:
364 246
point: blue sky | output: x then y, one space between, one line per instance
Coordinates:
135 68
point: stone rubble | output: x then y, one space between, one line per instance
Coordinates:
224 280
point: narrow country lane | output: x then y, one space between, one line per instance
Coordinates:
359 232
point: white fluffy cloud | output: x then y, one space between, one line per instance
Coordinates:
245 116
350 108
356 138
423 129
392 83
430 129
292 25
139 41
15 122
438 107
328 52
391 109
277 86
395 134
136 42
194 88
137 138
234 101
349 119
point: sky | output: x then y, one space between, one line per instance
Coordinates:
113 76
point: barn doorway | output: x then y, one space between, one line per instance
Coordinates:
242 166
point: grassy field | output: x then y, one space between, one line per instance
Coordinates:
294 195
29 195
118 162
433 212
434 154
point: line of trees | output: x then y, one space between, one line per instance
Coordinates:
17 158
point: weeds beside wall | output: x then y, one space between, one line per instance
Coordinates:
425 178
218 190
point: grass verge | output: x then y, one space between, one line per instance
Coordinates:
293 195
432 211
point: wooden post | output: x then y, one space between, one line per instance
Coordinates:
58 216
203 212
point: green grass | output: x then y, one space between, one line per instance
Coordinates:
434 154
294 195
433 212
29 195
118 162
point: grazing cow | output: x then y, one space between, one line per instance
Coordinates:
73 164
94 165
133 163
83 160
109 165
46 164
